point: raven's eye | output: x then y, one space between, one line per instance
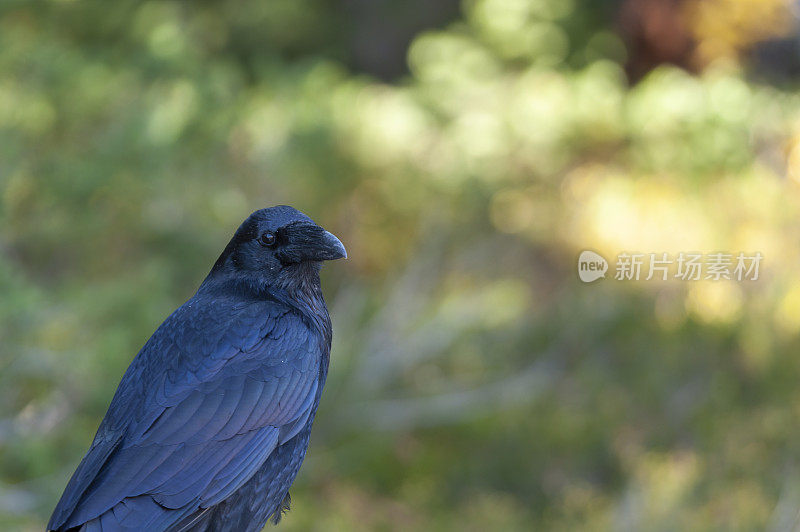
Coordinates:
267 238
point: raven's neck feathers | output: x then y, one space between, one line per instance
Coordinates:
296 286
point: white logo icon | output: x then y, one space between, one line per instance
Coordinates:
591 266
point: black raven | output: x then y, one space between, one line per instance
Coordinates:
211 421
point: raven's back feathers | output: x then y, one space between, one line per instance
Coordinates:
216 389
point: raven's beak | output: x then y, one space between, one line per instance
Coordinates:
310 242
330 248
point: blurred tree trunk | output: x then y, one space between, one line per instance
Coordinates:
655 32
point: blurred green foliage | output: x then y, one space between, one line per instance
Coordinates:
475 383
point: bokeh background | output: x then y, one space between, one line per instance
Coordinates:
465 152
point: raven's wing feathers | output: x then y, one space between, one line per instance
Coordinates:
199 411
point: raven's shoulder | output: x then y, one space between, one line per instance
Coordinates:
199 338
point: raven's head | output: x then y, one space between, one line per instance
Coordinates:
276 243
